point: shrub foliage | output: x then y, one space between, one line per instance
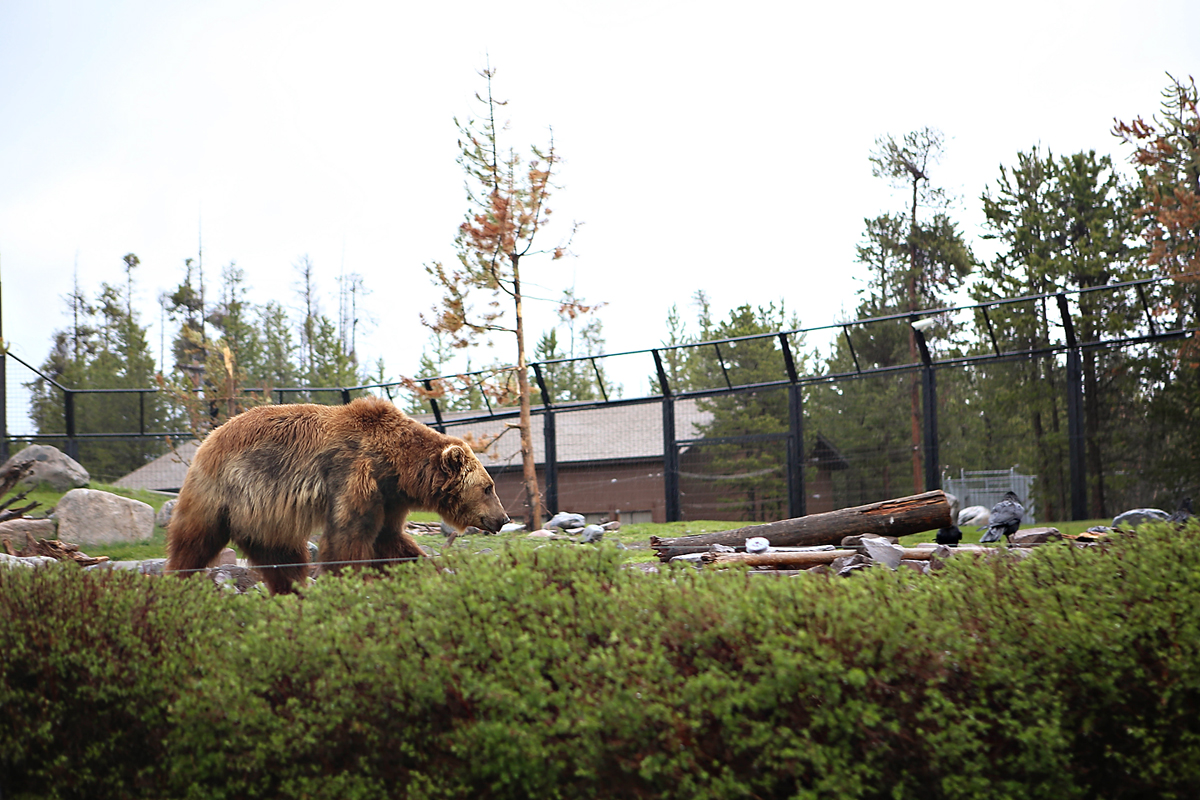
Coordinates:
554 672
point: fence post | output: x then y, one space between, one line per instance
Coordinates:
550 440
3 402
1075 436
438 425
797 495
670 449
69 418
933 473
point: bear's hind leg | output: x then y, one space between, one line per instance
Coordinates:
192 541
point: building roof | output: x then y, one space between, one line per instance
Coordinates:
163 474
608 433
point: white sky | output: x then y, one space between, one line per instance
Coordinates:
717 147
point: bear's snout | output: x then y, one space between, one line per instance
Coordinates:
494 522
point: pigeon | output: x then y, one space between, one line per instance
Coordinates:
949 536
1183 513
1005 519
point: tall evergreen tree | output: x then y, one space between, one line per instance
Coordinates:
1065 224
917 259
746 466
105 347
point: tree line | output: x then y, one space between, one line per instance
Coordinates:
1061 223
1058 223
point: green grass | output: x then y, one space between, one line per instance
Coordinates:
635 537
155 547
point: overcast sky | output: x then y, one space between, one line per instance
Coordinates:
706 146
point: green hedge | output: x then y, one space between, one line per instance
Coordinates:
554 672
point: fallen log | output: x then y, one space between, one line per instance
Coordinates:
812 558
899 517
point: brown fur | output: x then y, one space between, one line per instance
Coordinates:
269 477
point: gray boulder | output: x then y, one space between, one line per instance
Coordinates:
1032 536
163 518
1136 516
29 561
883 552
89 516
50 465
20 531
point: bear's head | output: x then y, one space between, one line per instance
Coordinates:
468 493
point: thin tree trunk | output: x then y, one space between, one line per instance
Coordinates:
533 497
918 477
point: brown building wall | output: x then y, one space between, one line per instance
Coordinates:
627 490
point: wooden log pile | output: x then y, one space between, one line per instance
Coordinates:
9 478
889 518
58 550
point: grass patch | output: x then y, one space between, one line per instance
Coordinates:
634 537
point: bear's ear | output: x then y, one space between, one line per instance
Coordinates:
454 460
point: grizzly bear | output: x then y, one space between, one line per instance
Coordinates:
270 476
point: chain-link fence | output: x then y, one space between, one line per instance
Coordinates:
747 429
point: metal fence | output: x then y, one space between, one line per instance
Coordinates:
986 487
748 429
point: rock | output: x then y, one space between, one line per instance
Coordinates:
1032 536
152 566
615 525
89 516
542 533
883 552
1134 517
563 520
232 578
856 540
919 567
448 530
819 569
954 505
227 558
847 564
757 544
722 548
592 534
50 465
974 515
937 559
21 531
29 561
163 518
512 527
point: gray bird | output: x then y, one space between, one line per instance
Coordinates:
1005 519
1183 513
